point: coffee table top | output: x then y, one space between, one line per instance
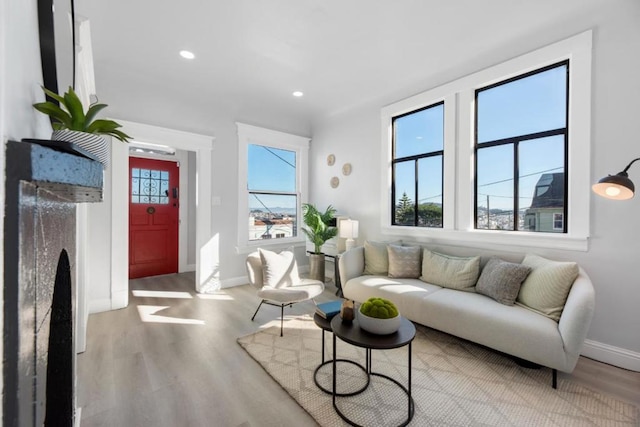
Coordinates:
353 334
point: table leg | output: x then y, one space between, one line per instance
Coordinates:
334 371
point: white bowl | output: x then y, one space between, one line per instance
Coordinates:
378 326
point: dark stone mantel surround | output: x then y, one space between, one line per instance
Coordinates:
42 185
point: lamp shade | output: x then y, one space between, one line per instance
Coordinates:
349 229
616 187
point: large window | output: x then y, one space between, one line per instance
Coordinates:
272 176
273 195
418 151
521 144
500 156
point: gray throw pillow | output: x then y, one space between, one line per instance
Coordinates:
501 280
404 261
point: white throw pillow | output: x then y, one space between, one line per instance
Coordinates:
546 288
452 272
279 270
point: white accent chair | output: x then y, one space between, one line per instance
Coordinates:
275 276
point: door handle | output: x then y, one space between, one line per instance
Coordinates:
175 192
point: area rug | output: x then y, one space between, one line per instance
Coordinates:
454 383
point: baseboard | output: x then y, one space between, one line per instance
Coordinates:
611 355
99 305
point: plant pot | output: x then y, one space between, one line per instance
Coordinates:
316 267
95 145
378 326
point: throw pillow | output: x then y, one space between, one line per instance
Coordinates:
376 259
452 272
546 288
404 261
279 270
501 280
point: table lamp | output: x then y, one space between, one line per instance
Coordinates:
349 231
616 187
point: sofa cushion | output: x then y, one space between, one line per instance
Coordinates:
404 261
459 273
501 280
279 270
546 288
376 259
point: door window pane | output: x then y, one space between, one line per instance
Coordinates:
149 186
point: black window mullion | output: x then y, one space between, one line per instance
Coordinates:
516 185
415 196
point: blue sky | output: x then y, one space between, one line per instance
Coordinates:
271 169
533 104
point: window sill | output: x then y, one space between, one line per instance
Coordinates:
486 239
271 244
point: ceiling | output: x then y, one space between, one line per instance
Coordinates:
344 55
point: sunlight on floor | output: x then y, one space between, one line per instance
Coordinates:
148 314
220 296
161 294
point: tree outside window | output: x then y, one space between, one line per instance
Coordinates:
418 141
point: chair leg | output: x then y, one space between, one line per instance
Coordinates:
254 314
281 319
554 381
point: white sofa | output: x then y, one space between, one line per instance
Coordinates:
514 330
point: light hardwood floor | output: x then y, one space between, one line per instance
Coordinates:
172 360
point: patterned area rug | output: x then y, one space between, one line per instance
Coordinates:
455 383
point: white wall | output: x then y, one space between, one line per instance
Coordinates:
614 250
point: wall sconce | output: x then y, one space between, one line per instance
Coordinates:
349 231
616 187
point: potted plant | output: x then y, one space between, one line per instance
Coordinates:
71 124
319 230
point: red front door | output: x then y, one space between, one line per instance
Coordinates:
153 217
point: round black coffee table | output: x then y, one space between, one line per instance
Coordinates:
354 335
325 325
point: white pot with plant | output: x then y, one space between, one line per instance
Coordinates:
318 230
71 124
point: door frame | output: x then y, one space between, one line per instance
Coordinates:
202 145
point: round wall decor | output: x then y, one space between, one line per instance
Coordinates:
335 181
346 169
331 159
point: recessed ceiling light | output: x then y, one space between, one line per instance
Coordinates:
186 54
298 93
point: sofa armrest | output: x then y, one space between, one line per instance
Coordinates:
351 264
576 315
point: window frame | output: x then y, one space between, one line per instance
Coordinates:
515 141
459 160
248 134
415 158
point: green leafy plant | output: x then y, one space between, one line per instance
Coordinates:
70 115
379 308
318 229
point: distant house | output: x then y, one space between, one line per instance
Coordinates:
546 213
